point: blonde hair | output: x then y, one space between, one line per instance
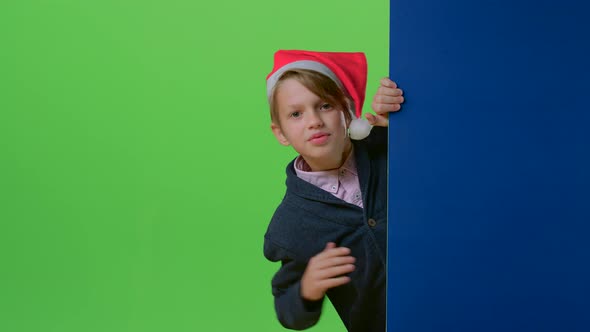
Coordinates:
319 84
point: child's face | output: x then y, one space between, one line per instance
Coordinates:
315 128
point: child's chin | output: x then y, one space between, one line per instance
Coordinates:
325 153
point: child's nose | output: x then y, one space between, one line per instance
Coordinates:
314 119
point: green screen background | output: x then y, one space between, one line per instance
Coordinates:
137 168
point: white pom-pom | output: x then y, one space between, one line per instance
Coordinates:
359 129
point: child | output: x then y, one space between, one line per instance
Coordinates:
329 232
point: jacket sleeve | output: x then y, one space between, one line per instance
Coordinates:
292 310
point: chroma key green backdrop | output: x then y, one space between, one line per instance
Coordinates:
137 168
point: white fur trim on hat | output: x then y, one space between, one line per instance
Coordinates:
303 64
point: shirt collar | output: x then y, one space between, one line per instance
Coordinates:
326 180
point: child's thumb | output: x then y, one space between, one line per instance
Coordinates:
377 120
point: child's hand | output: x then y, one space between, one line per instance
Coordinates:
326 270
388 99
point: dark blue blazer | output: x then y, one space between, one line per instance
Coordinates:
309 217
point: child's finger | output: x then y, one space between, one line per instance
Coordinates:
329 253
331 262
335 271
382 99
387 91
384 108
385 81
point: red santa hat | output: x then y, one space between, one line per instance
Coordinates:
347 69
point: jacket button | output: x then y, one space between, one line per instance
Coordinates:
371 222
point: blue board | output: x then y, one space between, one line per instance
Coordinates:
489 179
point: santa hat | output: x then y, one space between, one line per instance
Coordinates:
347 69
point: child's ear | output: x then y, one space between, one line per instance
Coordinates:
276 130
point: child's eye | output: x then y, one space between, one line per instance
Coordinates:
295 114
326 106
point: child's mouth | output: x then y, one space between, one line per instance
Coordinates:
319 139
